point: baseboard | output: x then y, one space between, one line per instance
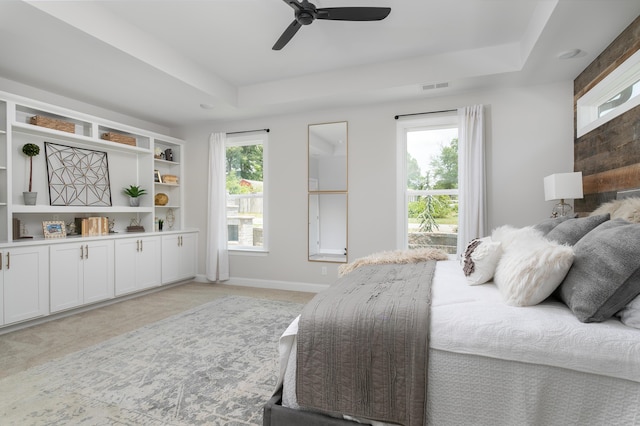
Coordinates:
269 284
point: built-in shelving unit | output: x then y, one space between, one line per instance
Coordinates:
40 277
128 164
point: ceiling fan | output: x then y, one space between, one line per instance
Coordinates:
306 13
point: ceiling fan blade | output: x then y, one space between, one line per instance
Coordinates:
353 13
287 35
294 4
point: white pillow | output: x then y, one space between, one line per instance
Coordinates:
507 234
480 259
630 314
531 268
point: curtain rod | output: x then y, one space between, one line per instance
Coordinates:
248 131
421 113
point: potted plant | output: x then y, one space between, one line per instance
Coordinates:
30 150
134 192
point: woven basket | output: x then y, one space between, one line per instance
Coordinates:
115 137
52 123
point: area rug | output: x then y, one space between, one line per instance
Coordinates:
215 364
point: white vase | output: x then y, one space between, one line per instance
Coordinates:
30 198
134 201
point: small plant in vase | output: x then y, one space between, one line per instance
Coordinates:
134 192
160 224
30 150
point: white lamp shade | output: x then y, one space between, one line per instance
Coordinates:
563 186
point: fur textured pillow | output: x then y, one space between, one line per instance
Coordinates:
397 256
531 267
626 208
480 259
507 234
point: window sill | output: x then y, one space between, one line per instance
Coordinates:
248 252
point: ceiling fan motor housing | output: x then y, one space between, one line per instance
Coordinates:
304 17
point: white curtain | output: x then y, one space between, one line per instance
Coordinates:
472 222
217 257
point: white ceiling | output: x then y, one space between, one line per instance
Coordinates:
160 60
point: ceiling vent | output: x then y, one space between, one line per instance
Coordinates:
434 86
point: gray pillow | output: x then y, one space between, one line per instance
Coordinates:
570 231
605 275
548 224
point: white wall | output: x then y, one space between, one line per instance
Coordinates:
529 133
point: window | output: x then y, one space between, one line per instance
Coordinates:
428 182
246 191
617 93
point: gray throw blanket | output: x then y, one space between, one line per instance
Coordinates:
362 345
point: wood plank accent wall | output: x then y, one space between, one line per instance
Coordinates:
609 156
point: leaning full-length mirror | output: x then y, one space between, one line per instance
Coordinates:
328 185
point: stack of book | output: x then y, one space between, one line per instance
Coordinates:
92 226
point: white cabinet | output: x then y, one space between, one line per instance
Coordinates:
179 257
24 281
137 264
80 273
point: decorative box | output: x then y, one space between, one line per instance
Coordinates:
172 179
52 123
116 137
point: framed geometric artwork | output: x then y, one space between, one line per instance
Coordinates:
77 176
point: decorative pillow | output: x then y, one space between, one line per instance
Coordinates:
507 234
531 268
626 208
548 224
605 275
630 314
570 231
480 259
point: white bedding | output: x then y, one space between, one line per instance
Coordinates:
474 320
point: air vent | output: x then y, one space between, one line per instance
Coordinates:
434 86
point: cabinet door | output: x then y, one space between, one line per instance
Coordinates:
98 271
26 283
126 255
148 263
170 258
66 279
188 256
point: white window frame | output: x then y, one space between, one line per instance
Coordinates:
255 139
403 127
622 77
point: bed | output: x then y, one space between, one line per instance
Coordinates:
537 325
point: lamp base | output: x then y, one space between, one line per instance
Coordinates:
561 209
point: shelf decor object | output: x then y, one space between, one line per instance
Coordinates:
77 176
30 150
116 137
54 229
52 123
134 192
161 199
170 179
